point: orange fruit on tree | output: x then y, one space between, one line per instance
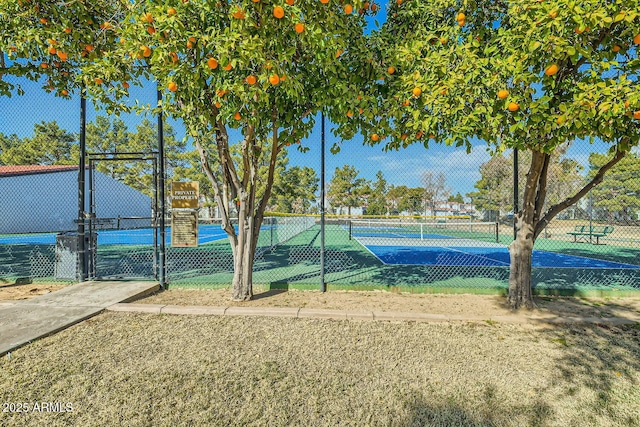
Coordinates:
62 55
237 116
290 2
174 57
43 20
339 52
502 94
461 17
238 14
391 70
553 14
151 30
65 92
172 86
375 137
147 17
274 79
636 39
217 104
636 115
551 70
278 12
513 107
171 11
416 91
406 103
299 27
349 113
146 51
398 2
228 67
256 1
52 50
68 30
44 65
626 104
374 7
251 80
89 48
348 9
98 80
212 63
125 85
324 1
616 48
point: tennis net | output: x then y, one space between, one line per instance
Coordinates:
485 231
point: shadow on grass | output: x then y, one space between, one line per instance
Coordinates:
593 308
605 360
491 412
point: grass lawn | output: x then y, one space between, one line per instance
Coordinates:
166 370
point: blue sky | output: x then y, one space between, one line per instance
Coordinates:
405 167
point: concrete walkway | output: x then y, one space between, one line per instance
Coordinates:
521 318
23 321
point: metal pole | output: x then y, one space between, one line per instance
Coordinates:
515 191
323 285
590 216
82 260
163 207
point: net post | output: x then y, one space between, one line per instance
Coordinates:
497 237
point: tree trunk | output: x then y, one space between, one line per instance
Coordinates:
521 251
243 259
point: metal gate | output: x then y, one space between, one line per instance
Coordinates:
122 222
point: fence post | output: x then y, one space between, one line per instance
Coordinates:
161 183
515 191
323 285
82 259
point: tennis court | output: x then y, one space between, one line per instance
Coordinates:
207 233
455 244
139 236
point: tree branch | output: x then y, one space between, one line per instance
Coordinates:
597 179
541 194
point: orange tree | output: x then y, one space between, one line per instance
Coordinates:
244 76
517 74
50 41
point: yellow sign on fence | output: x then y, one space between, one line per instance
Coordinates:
184 195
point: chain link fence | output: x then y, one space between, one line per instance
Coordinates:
428 220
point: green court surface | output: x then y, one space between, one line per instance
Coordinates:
348 265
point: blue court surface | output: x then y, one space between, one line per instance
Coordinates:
140 236
481 256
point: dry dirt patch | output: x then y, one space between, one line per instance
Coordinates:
18 292
474 306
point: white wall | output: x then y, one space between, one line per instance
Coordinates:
48 202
